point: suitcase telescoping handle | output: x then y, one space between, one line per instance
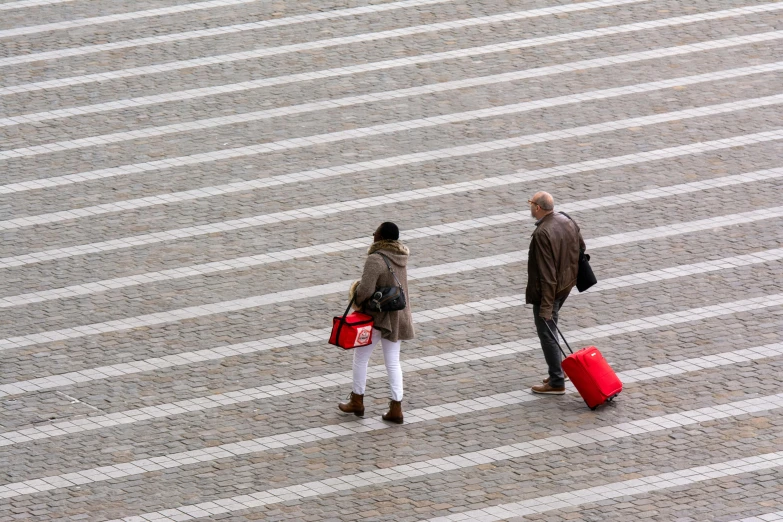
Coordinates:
549 324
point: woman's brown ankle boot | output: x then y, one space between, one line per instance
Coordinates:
395 412
354 405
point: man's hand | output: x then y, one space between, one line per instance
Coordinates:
551 324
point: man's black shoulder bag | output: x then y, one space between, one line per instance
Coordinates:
387 298
584 277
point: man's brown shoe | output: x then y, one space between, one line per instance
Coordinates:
546 381
546 389
354 405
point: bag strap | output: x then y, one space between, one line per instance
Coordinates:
349 307
388 265
555 336
342 320
581 251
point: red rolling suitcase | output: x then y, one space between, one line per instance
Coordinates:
592 376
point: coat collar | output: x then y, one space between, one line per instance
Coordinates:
543 218
395 247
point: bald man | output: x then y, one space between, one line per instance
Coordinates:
552 266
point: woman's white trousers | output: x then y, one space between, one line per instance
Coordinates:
391 356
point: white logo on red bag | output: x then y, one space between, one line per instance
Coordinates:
363 335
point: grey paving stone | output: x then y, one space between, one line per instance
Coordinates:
434 494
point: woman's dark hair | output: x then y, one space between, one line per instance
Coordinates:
389 230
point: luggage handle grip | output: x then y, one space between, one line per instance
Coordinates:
554 335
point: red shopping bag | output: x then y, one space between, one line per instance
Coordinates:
351 330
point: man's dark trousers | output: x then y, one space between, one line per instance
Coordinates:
549 345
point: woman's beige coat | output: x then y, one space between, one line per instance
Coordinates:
394 326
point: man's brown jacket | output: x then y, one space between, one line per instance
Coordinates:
553 261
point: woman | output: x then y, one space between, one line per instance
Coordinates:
389 327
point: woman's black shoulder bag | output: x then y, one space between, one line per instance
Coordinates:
387 298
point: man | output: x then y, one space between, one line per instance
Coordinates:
552 266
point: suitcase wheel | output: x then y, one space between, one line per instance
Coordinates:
593 408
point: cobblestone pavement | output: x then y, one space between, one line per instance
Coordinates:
188 188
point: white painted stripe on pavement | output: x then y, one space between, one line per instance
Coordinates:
683 477
193 312
22 4
149 201
215 31
258 445
777 516
673 272
434 412
336 379
320 44
120 17
297 177
461 53
512 451
198 125
96 287
700 363
493 304
192 94
349 206
185 358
